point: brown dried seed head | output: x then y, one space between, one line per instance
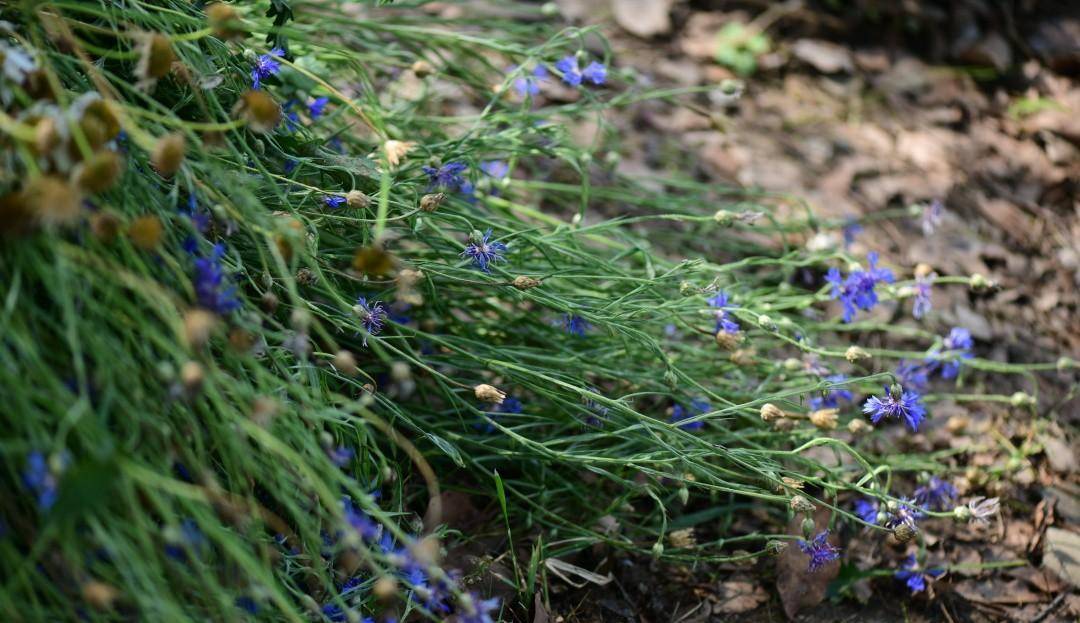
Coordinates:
903 533
357 199
156 57
345 363
422 69
46 136
825 419
259 110
858 427
487 393
168 154
728 341
396 150
145 232
105 226
683 539
224 21
385 588
431 202
199 324
99 172
854 354
771 412
192 376
52 200
525 283
305 277
99 123
99 594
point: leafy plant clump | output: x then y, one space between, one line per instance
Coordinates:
277 276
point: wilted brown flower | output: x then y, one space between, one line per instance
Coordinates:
145 232
771 412
52 200
728 340
396 150
168 154
259 110
156 57
99 172
224 21
373 261
431 202
487 393
825 419
104 225
683 539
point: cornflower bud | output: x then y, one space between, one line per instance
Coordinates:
903 532
771 412
431 202
422 69
853 354
99 172
487 393
800 504
525 283
357 199
168 154
1022 399
728 340
825 419
396 150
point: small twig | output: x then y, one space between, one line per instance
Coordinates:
1050 608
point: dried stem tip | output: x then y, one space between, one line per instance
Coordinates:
487 393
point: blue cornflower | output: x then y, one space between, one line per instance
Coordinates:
372 315
289 116
178 541
530 84
922 304
932 214
334 613
595 73
477 610
575 324
937 494
365 526
483 252
317 107
830 398
867 510
914 375
857 291
724 321
199 220
341 455
509 404
333 201
698 406
820 551
598 410
851 229
568 67
495 168
448 176
904 512
247 604
38 478
958 345
289 165
898 403
265 66
915 578
211 287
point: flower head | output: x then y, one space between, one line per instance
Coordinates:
495 168
820 551
922 304
473 610
265 66
914 374
932 214
40 480
724 321
448 176
958 345
897 404
857 290
341 455
595 73
317 107
568 67
575 324
830 398
372 316
698 406
867 510
211 286
483 251
915 578
530 84
937 494
905 512
852 228
334 201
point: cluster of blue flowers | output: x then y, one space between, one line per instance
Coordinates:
212 288
725 322
41 481
858 289
698 406
570 70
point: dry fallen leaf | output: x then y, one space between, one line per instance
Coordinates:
1062 554
737 596
800 588
643 18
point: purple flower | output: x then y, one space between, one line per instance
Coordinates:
39 479
922 304
333 201
247 604
341 455
937 494
852 228
372 315
483 252
932 214
830 398
820 551
473 610
914 375
857 291
290 117
495 168
915 578
897 404
867 510
698 406
265 66
958 345
211 287
448 176
575 324
333 612
568 67
364 525
529 84
904 512
595 73
724 321
317 107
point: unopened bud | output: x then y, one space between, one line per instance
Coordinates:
657 549
385 588
854 354
800 504
825 419
979 282
808 527
490 394
525 283
771 412
684 495
168 154
345 363
792 364
724 218
429 203
858 427
766 323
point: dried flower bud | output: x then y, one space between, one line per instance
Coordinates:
145 232
771 412
422 69
345 363
168 154
306 277
99 594
259 110
858 427
522 282
224 21
728 340
784 425
429 203
105 226
99 172
156 57
192 376
385 588
683 539
199 324
825 419
800 504
396 150
357 199
52 200
904 532
487 393
99 121
853 354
